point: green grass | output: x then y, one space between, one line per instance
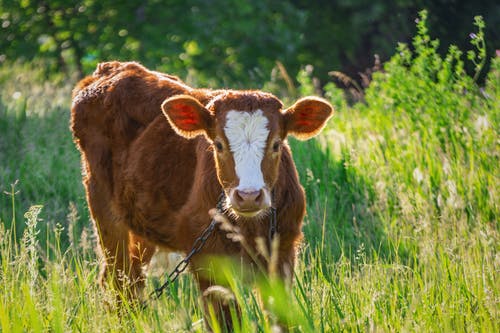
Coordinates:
402 232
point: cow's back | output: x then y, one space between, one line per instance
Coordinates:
118 101
111 109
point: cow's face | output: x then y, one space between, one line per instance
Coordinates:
247 131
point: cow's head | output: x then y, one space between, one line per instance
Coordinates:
247 130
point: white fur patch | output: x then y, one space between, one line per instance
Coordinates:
247 135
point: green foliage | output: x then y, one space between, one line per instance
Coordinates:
402 231
430 134
431 100
218 41
227 42
34 124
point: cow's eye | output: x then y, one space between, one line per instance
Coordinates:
218 146
276 146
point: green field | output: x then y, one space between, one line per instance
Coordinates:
402 232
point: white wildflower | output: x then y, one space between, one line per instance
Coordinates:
446 167
418 175
481 124
454 200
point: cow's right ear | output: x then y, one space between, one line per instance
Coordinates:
187 116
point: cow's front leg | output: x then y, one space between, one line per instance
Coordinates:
218 302
123 255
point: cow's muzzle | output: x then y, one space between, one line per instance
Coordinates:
249 202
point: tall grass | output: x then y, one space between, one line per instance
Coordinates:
38 160
402 232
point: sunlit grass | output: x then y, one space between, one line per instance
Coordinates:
402 231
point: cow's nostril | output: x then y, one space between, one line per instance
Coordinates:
260 196
238 197
249 200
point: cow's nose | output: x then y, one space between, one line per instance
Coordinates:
248 200
252 196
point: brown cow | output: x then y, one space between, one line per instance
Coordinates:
151 177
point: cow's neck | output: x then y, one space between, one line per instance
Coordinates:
206 187
193 218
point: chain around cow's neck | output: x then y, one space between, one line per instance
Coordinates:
199 243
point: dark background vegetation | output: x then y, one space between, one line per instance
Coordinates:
402 231
224 42
213 43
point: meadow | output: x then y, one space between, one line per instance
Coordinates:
401 235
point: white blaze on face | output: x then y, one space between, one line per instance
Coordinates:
247 135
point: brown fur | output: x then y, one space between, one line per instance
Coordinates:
147 186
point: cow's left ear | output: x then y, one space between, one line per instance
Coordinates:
187 116
307 117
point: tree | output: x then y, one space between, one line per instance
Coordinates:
228 41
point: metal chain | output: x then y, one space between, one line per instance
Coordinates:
272 227
199 243
197 246
183 264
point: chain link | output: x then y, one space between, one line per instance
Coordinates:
272 227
